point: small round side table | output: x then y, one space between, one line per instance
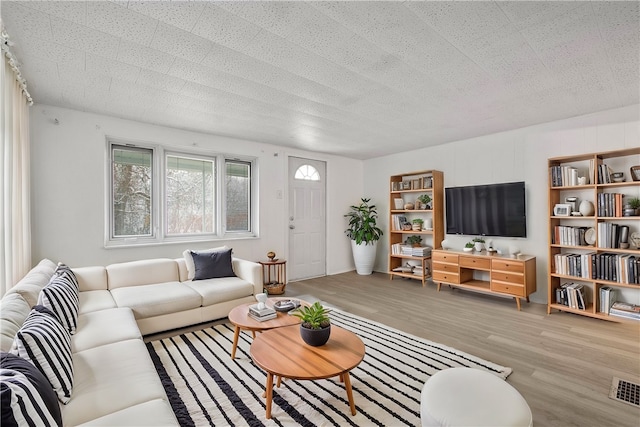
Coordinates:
274 276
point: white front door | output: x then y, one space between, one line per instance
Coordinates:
307 235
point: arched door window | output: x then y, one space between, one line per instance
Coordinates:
307 172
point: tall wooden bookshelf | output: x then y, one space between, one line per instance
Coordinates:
408 187
582 259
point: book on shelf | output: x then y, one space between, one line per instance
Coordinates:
564 176
623 309
607 294
420 251
610 204
604 174
398 221
574 296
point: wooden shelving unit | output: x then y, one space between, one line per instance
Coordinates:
408 187
588 166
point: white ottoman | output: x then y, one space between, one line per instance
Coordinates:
471 397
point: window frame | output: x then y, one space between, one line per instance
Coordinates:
159 235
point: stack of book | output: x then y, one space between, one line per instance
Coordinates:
416 251
623 309
606 298
263 314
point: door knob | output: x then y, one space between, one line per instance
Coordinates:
291 226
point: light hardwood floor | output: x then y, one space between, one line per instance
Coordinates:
562 364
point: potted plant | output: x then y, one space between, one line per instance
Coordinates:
364 235
315 327
424 199
417 224
634 203
468 247
414 241
478 243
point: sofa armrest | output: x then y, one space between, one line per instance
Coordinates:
249 271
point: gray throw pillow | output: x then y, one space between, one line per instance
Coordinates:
212 265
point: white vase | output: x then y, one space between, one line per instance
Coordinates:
479 246
586 208
364 256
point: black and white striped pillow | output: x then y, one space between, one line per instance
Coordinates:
61 297
43 341
26 397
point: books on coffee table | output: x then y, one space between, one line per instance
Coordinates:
263 314
263 318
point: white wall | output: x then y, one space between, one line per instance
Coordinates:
68 182
519 155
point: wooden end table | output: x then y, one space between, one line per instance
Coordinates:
239 317
281 352
274 273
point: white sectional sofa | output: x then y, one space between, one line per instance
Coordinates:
114 379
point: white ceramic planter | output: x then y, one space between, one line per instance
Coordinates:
364 257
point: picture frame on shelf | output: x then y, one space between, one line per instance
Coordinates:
562 209
635 173
406 185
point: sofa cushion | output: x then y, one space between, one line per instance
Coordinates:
104 327
188 259
26 394
36 279
157 299
223 289
144 272
61 297
156 412
92 278
43 341
95 300
111 378
14 309
212 265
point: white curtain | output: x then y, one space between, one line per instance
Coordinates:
15 212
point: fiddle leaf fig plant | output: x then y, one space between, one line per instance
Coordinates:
362 223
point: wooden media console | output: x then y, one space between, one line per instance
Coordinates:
508 276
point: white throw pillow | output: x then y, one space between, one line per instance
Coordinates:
188 259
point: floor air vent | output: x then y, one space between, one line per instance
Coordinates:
625 391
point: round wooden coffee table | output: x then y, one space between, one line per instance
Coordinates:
281 352
239 317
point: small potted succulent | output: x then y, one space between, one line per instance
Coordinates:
414 241
478 244
634 203
417 224
315 327
424 199
468 247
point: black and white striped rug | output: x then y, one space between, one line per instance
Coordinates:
206 387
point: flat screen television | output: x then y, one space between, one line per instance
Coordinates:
487 210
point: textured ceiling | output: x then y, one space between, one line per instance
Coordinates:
357 79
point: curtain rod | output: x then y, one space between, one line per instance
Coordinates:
13 63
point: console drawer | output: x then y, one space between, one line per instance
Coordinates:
502 276
444 257
439 276
507 288
507 265
475 263
444 268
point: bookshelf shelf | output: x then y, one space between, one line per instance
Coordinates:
408 187
615 267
